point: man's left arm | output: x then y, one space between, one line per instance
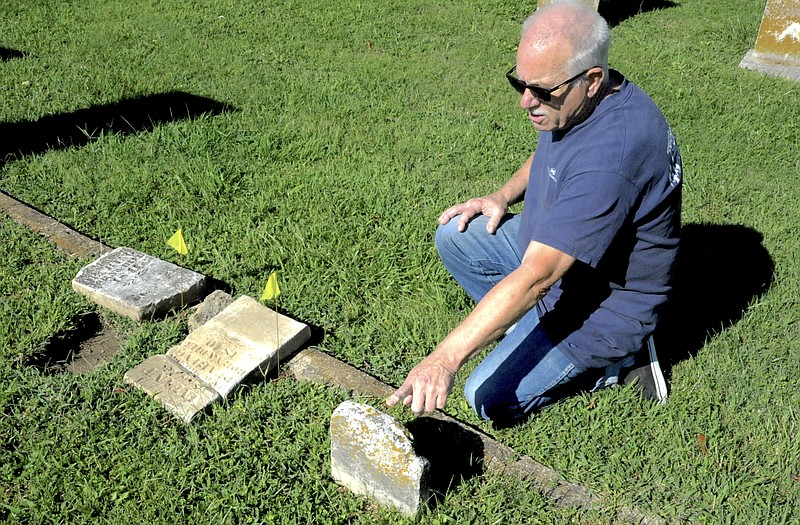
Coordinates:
429 383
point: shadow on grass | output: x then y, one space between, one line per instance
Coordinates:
87 346
455 453
8 54
617 11
721 269
80 127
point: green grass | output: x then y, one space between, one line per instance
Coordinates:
352 126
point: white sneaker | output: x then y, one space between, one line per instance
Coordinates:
647 374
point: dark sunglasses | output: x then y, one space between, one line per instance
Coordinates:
540 93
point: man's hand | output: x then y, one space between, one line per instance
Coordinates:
493 206
427 386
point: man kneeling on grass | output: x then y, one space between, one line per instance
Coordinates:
576 283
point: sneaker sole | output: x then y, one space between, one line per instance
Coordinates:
659 383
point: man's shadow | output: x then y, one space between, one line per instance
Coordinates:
721 270
82 126
7 54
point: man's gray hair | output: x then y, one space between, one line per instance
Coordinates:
573 22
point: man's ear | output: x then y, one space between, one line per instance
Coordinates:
596 79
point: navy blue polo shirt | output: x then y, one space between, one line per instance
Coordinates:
607 192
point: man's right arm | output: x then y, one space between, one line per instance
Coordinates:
494 205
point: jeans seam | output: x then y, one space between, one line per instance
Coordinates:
560 378
478 264
523 408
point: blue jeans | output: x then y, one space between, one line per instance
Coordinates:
525 371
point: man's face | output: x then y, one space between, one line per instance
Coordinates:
568 104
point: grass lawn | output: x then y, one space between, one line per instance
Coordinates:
322 139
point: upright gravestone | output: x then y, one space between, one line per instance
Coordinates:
373 455
777 48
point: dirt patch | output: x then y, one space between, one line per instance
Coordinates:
79 351
95 351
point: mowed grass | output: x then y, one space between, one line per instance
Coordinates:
350 127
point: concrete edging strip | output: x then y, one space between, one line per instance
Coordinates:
64 237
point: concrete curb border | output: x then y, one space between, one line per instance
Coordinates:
77 244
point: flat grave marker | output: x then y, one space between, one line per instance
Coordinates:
217 356
179 391
138 285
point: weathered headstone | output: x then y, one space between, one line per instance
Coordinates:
777 47
373 455
181 392
218 355
138 285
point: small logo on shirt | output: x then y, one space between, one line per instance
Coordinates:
552 173
676 169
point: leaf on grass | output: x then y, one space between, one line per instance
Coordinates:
796 477
701 440
592 404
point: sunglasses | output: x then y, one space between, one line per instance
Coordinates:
540 93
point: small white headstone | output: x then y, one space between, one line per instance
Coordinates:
373 455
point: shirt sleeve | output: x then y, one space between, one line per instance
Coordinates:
589 211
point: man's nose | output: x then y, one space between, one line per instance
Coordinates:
529 100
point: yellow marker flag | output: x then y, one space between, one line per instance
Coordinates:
177 242
272 290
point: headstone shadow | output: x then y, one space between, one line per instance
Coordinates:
80 127
88 344
617 11
721 270
455 453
